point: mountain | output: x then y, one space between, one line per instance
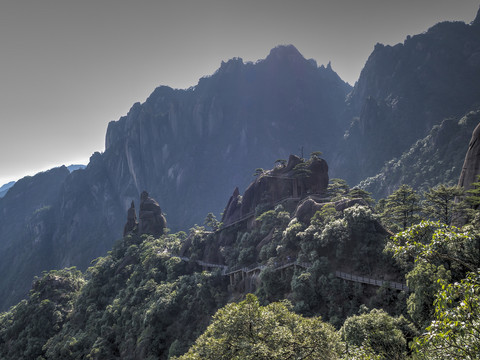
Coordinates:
406 89
72 167
27 216
5 187
189 149
435 159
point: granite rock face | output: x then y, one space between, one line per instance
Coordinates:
132 223
193 146
296 180
151 219
471 165
406 89
27 222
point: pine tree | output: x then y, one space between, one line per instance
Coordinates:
402 208
440 203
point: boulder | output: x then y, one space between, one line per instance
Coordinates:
151 219
308 207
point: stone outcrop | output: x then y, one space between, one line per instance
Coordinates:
132 223
151 219
308 207
295 180
471 165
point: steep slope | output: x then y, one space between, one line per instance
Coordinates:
405 89
142 301
190 148
435 159
26 223
5 188
471 164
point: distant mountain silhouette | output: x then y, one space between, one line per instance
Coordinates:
4 188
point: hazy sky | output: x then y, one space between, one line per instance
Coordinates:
68 67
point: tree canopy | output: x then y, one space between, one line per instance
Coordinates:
402 208
249 331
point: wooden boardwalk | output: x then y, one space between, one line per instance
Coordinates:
370 281
247 271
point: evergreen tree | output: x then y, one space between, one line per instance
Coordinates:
440 203
402 208
250 331
337 188
212 222
473 198
357 193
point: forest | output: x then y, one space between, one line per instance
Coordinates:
151 298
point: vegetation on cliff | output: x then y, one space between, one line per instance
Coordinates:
143 301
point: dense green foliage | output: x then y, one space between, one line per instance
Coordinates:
25 329
376 330
141 301
247 331
454 333
444 279
435 159
138 303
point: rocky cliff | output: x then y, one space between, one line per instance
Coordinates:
191 147
471 165
151 219
406 89
435 159
26 223
294 180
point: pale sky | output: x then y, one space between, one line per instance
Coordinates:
68 67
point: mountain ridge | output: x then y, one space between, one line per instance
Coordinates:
190 148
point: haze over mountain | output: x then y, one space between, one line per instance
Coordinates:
4 188
70 67
190 148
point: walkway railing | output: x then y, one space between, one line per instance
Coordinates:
370 281
247 270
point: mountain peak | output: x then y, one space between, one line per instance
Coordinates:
477 19
285 52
